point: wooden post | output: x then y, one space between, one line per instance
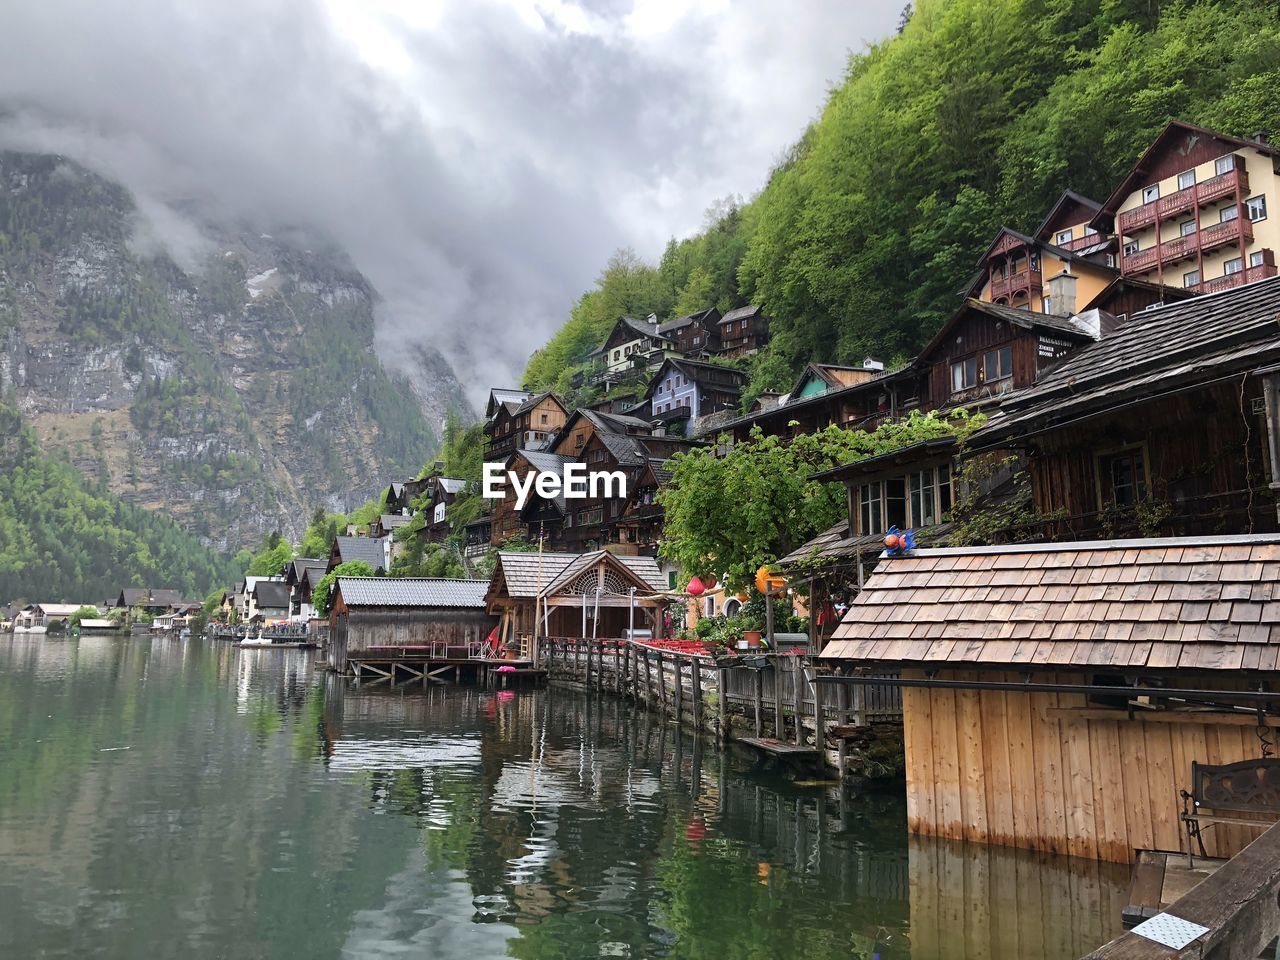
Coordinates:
696 667
648 682
722 676
819 717
662 680
797 683
759 704
780 724
678 692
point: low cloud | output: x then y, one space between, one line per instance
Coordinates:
479 160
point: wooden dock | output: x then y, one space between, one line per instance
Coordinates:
395 666
1161 877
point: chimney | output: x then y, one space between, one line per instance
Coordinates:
1060 291
872 364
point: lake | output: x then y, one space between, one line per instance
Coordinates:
167 799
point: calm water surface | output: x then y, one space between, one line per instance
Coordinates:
161 799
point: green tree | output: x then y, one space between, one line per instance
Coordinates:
727 515
321 593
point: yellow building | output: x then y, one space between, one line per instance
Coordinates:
1194 211
1058 269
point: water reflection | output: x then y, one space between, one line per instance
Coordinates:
157 796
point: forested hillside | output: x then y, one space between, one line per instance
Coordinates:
66 538
979 113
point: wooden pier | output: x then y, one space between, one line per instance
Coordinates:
438 663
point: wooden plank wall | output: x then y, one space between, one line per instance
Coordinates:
997 767
415 627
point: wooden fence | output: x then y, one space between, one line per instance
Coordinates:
766 695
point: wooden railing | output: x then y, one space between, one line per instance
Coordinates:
1215 188
766 694
1240 904
1028 281
1179 248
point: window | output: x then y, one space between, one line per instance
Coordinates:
944 490
545 418
1034 260
997 364
1064 237
1123 477
1151 193
964 374
1224 164
923 499
697 340
617 354
1131 247
1047 304
1257 207
895 502
1232 267
1191 279
1256 259
1186 179
1228 214
1187 227
870 509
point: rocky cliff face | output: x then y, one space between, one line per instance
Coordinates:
236 393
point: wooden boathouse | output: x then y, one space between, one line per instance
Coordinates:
1055 696
389 624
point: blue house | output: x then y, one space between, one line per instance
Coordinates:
688 389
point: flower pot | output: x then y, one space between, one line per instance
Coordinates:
752 637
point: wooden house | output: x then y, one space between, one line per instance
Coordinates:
386 524
632 345
688 389
1194 210
476 537
1055 696
641 522
441 493
527 425
595 594
400 495
270 600
542 519
430 614
153 601
376 553
743 331
500 435
695 335
1166 425
296 579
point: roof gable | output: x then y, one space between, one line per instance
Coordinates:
1177 146
1069 210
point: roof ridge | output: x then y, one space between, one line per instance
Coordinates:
1080 546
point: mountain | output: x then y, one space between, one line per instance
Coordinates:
234 393
64 538
977 114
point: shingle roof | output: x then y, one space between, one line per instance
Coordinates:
527 573
397 592
393 521
451 484
1157 604
1187 341
681 322
361 548
301 565
271 593
544 461
740 313
836 543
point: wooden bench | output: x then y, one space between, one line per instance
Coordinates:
1246 793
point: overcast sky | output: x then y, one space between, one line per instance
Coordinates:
479 159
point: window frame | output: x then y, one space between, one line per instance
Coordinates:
1257 258
1238 262
1261 199
1182 228
1131 247
1103 462
1227 217
1218 168
1060 234
1188 282
1150 193
1187 173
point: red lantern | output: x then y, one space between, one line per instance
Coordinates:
710 581
695 588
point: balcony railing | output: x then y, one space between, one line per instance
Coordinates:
1024 281
1239 279
1080 243
1215 188
1180 248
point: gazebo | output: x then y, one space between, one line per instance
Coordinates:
587 595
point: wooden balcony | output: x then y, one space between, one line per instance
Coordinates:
1028 282
1181 248
1247 275
1082 243
1215 188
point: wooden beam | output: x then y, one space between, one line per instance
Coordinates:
1208 718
